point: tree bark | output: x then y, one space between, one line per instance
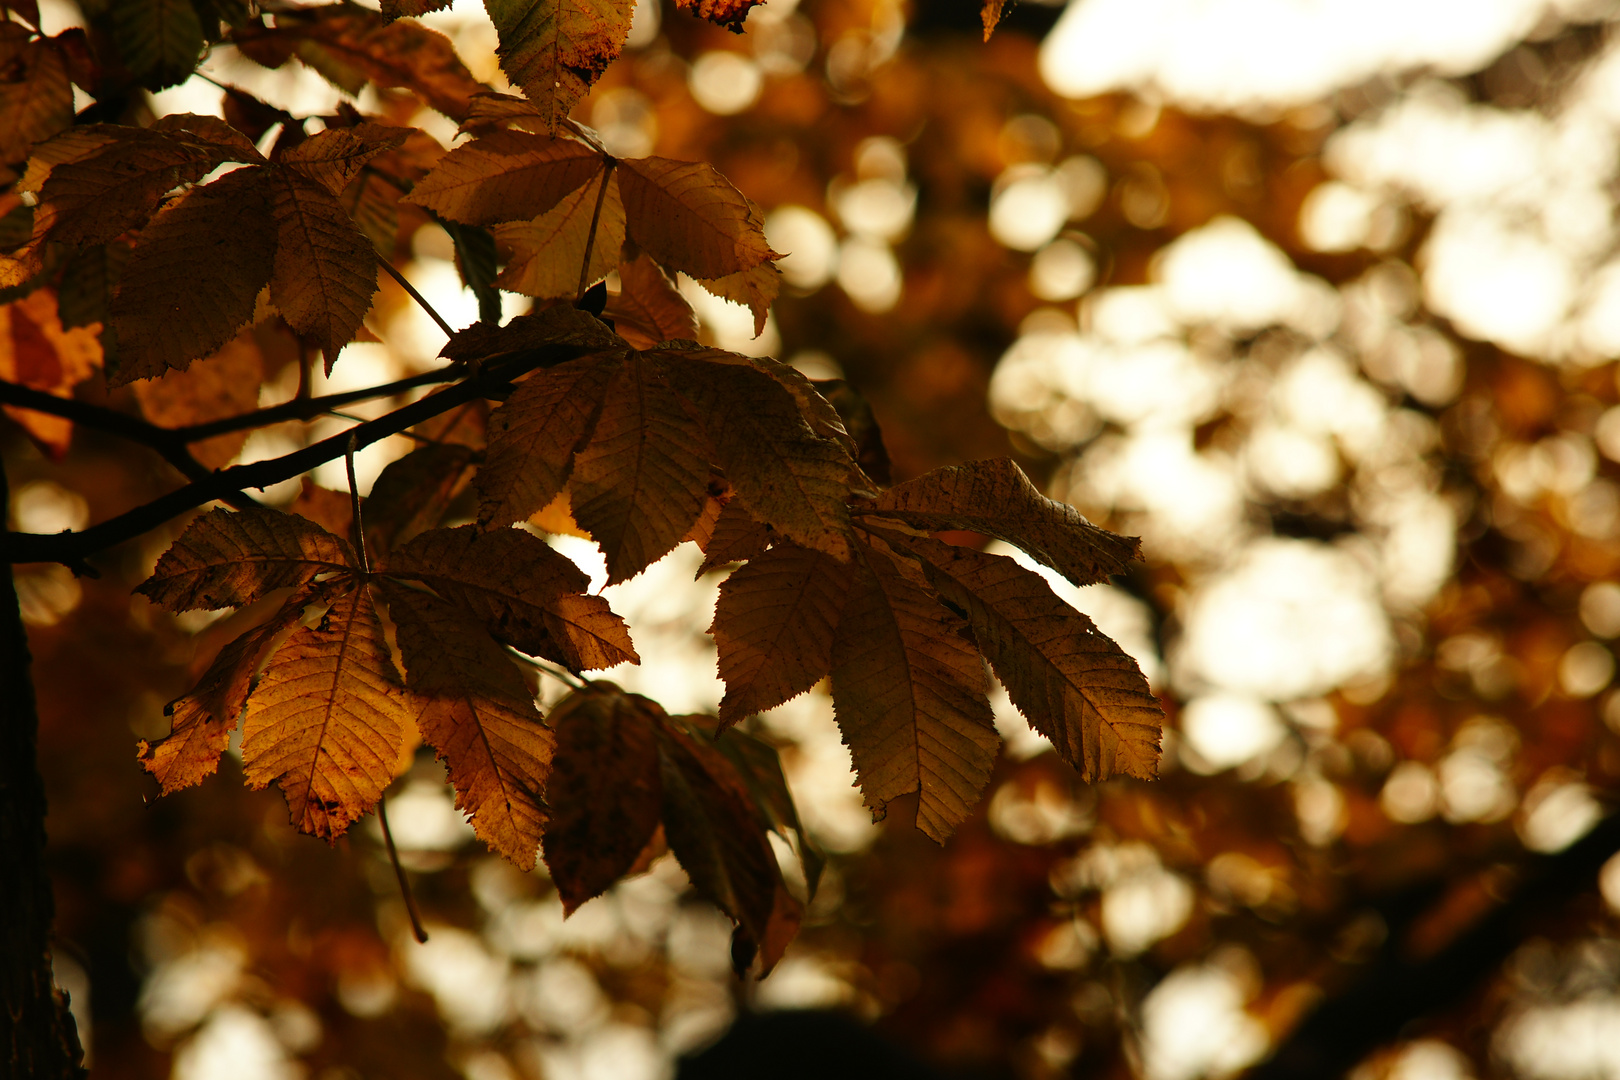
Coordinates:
40 1036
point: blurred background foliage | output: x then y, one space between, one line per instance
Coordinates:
1322 300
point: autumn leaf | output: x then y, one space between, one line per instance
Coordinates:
480 717
506 176
397 9
994 497
328 720
165 314
37 352
736 537
228 558
648 309
605 789
334 157
217 386
991 15
561 325
555 49
642 479
754 289
547 253
909 693
89 281
205 716
159 40
690 218
331 510
325 270
730 14
1073 683
758 765
36 96
773 627
412 494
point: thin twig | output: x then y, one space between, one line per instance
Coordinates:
418 297
354 500
399 872
561 674
590 238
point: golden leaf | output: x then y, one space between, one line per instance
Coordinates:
690 218
217 386
506 176
648 310
548 251
229 558
755 289
37 352
555 49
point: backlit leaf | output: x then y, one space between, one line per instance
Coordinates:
605 789
548 251
480 717
334 157
217 386
994 497
585 634
506 176
166 314
331 510
555 49
36 96
648 309
642 479
1073 683
755 289
159 40
736 537
329 718
730 14
89 281
690 218
991 15
558 325
229 558
909 692
325 269
395 9
773 627
413 493
37 352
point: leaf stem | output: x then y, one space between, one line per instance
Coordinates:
399 872
590 238
561 674
354 500
418 297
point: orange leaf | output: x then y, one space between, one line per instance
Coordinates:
506 176
37 352
217 386
648 309
730 14
547 252
325 270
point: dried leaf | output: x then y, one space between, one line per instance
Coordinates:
737 537
229 558
730 14
397 9
690 218
89 281
159 40
773 626
217 386
755 289
648 309
205 717
560 324
909 694
642 479
534 435
605 789
555 49
331 510
325 270
36 95
994 497
1073 683
329 718
37 352
506 176
334 157
166 314
202 128
991 15
548 251
585 634
480 718
413 493
759 767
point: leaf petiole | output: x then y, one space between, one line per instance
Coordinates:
399 872
590 238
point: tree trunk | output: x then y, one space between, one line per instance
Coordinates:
41 1040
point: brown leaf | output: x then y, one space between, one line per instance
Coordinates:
555 49
754 289
38 353
690 218
200 127
534 435
334 157
205 717
166 314
994 497
585 634
397 9
560 324
159 41
329 718
792 479
773 626
737 537
759 767
909 693
506 176
480 718
642 479
74 144
217 386
991 15
331 510
605 789
229 558
548 251
730 14
648 309
1073 683
325 270
36 95
413 493
557 518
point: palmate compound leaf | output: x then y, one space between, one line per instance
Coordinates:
329 718
228 558
774 625
524 593
1073 683
909 692
605 789
547 252
205 717
166 314
690 218
325 270
506 176
555 49
480 717
994 497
